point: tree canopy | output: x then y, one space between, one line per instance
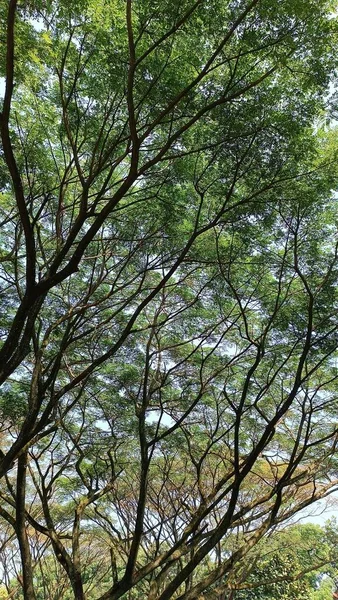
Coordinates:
168 289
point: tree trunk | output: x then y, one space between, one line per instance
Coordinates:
27 570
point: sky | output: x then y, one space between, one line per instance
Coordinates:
320 511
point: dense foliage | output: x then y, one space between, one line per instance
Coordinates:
168 277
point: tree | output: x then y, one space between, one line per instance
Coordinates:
293 563
169 324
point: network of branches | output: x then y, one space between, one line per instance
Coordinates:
168 290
